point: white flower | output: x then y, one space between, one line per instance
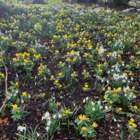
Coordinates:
106 107
49 123
101 107
37 135
21 128
93 108
54 116
59 116
93 103
99 102
87 98
47 128
22 101
43 118
47 114
84 101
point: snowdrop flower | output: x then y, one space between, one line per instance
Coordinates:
37 135
106 107
47 114
59 116
93 108
21 128
101 107
99 102
83 100
132 78
22 101
114 120
43 118
47 128
134 97
49 123
87 98
93 103
54 116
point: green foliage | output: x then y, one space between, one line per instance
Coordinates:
121 2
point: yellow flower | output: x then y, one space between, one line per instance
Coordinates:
57 103
111 102
135 107
120 109
84 70
99 65
60 74
133 88
130 123
15 106
110 107
14 59
52 76
132 120
56 81
2 74
60 62
86 86
43 94
106 98
134 125
74 72
84 128
64 115
131 93
82 117
24 93
87 73
95 125
100 70
108 88
57 51
67 111
114 95
60 86
130 73
16 84
40 72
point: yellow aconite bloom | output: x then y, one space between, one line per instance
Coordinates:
67 111
82 117
135 107
84 128
108 88
111 102
100 70
60 74
15 106
2 74
99 65
114 95
130 123
16 84
24 93
86 86
43 94
120 109
40 72
57 51
134 125
95 125
56 81
74 72
106 98
52 76
132 120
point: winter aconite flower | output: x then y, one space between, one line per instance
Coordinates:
24 93
82 117
84 128
15 106
95 125
16 84
67 111
135 107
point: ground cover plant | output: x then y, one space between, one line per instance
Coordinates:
69 72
